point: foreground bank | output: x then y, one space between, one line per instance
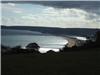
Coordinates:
84 62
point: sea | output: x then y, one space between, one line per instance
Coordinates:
22 38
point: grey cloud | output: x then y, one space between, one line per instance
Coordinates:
91 6
63 4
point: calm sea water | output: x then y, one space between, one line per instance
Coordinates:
46 42
43 41
12 38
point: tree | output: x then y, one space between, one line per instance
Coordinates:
97 42
32 46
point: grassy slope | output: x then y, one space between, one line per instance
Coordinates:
64 63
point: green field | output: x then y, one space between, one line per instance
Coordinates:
63 63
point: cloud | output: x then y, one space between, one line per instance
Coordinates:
90 6
65 18
54 16
11 4
49 0
71 17
17 11
62 4
11 7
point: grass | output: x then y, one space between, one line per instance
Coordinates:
63 63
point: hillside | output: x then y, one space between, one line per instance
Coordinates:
86 62
56 31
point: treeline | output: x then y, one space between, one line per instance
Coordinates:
30 48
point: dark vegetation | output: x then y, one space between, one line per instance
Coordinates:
62 63
30 48
83 60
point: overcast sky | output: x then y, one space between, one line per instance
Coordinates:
50 0
52 14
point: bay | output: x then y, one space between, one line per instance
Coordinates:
12 38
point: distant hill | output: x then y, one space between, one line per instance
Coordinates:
84 32
19 32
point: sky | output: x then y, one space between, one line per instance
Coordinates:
64 14
50 0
